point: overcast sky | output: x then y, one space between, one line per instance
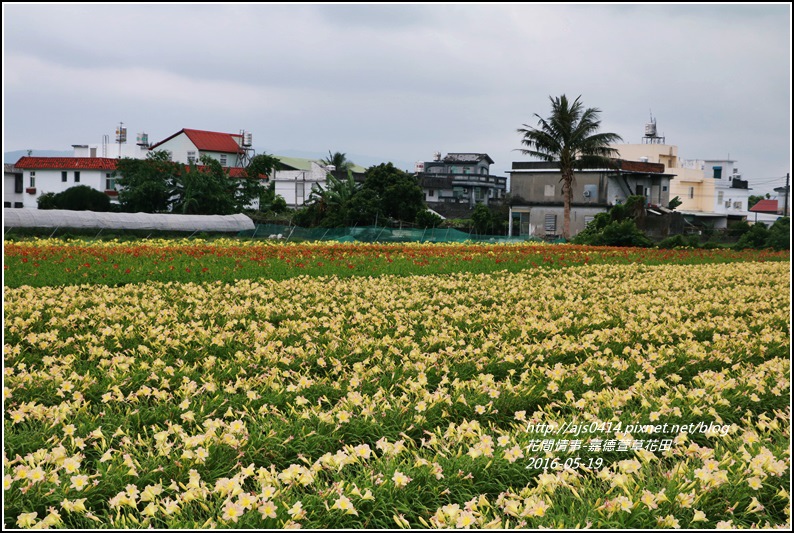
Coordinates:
399 82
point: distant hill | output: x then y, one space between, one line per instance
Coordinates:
13 157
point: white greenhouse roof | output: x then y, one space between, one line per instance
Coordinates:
59 218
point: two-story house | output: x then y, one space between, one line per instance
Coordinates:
537 205
188 145
459 178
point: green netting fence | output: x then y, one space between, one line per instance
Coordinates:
373 234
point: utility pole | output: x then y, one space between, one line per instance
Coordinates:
785 209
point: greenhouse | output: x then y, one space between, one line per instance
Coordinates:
59 218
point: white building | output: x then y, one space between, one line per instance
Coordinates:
187 146
711 190
40 175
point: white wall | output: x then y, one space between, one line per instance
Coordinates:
50 180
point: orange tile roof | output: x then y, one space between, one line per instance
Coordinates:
209 141
66 163
765 206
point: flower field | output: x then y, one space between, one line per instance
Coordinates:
558 387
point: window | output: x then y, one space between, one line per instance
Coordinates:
717 172
548 190
63 176
691 192
32 179
77 176
719 197
110 182
664 188
18 185
300 191
737 205
484 171
223 160
431 193
551 224
191 157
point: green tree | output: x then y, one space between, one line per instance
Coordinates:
260 170
482 219
205 190
428 219
338 160
334 200
569 137
399 194
147 185
779 237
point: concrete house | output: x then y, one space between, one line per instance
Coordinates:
56 174
187 146
459 179
711 190
537 206
13 186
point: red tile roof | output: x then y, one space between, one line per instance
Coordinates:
209 141
765 206
66 163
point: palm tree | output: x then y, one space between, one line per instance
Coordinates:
569 137
340 161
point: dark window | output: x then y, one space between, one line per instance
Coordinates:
431 193
18 185
63 176
664 188
77 176
640 190
717 173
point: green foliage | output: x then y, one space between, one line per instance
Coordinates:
263 164
737 229
624 233
47 201
779 237
269 202
339 160
675 202
617 227
146 185
428 219
482 219
399 194
679 241
332 203
205 190
755 238
78 198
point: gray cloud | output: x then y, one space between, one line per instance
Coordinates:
401 81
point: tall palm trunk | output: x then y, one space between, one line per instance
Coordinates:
567 198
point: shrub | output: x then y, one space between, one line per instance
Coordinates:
779 237
427 219
78 198
679 241
755 238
